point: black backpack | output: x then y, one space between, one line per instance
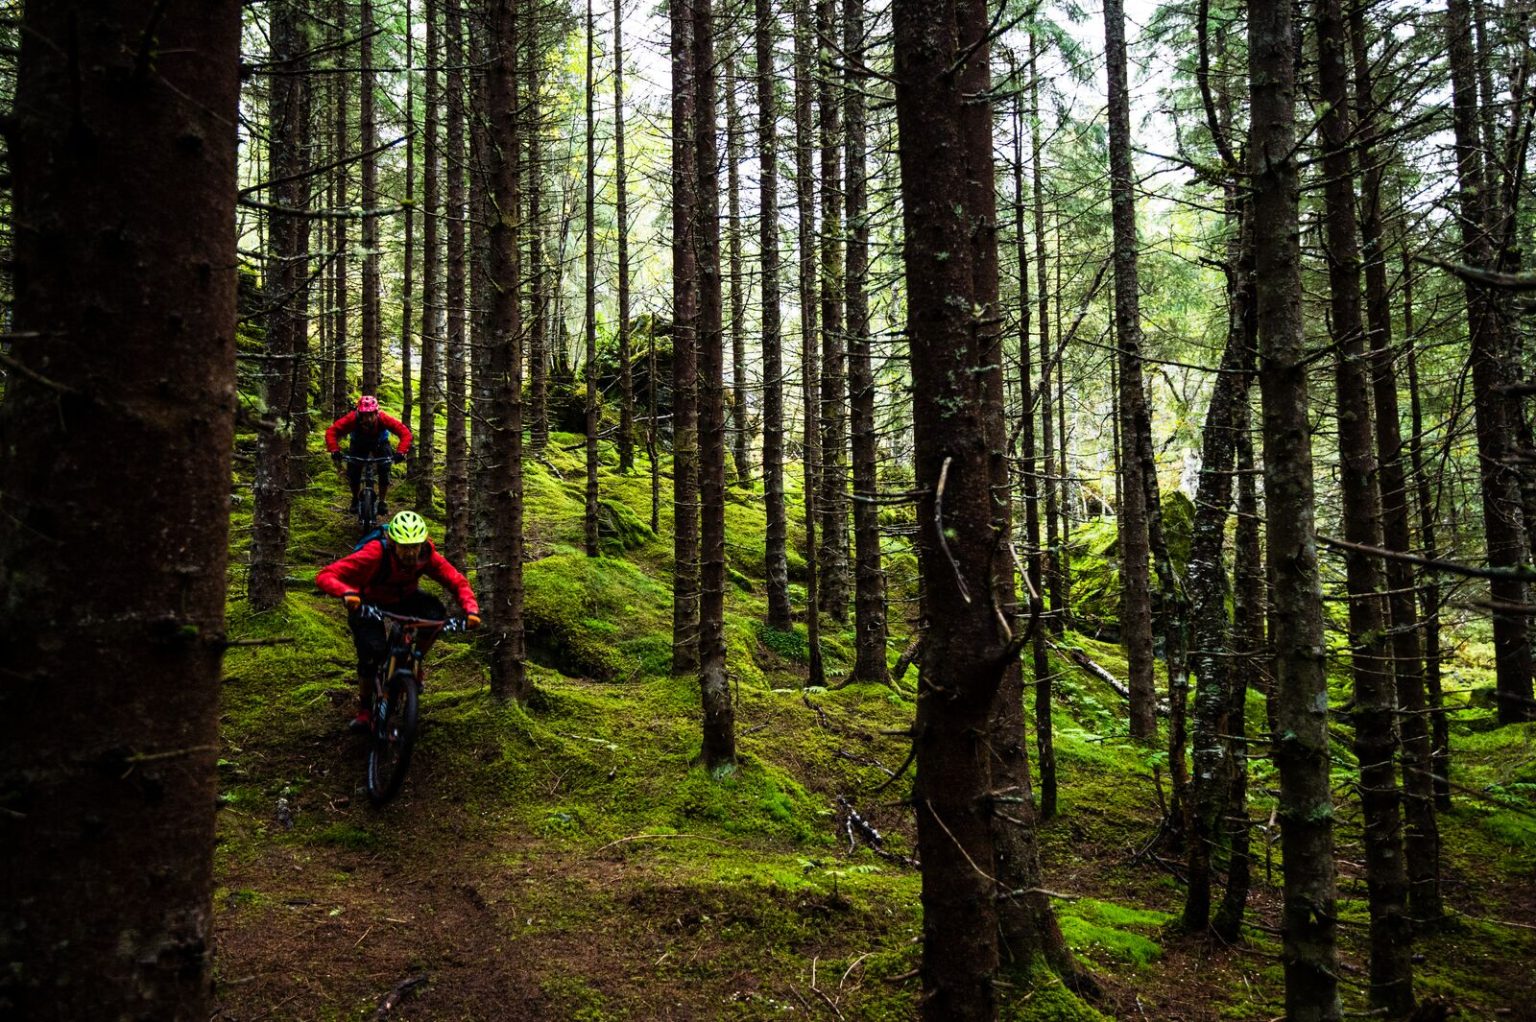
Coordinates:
377 534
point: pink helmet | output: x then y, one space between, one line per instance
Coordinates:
367 403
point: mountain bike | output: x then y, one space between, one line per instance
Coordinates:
367 489
396 695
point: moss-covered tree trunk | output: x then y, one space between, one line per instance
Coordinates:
538 275
1212 635
112 605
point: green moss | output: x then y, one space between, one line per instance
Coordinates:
1109 930
345 835
1041 997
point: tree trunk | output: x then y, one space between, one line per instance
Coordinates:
503 575
621 203
719 746
287 291
589 520
341 385
456 452
431 261
777 568
869 579
1422 835
960 462
1029 470
1047 479
1495 433
733 159
832 556
1429 589
409 255
1309 912
538 276
124 200
1135 550
1391 972
1212 638
368 141
685 306
810 377
1248 648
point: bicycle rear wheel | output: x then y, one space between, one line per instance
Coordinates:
394 735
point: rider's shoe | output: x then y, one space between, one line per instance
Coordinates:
383 508
362 723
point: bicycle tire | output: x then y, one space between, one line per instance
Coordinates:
367 507
393 737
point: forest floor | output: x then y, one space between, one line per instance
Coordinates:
563 860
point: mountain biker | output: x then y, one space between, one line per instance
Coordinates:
369 429
386 572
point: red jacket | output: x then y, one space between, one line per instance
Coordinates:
364 572
348 424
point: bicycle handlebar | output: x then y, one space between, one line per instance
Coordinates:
449 624
377 460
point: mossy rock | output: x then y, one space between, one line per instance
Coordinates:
619 528
579 611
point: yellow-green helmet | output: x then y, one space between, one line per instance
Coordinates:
407 527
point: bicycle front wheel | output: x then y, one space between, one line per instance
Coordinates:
367 507
394 734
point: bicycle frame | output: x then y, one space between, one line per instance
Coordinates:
396 690
367 510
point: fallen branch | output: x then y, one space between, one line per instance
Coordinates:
1081 659
394 997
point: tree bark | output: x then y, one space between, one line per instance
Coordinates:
951 276
341 385
538 275
1030 471
832 556
503 575
1060 612
1308 913
777 568
287 290
589 520
409 255
1502 526
368 142
740 429
1133 513
685 312
626 440
1422 835
456 450
719 745
805 203
869 579
124 200
1429 587
428 388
